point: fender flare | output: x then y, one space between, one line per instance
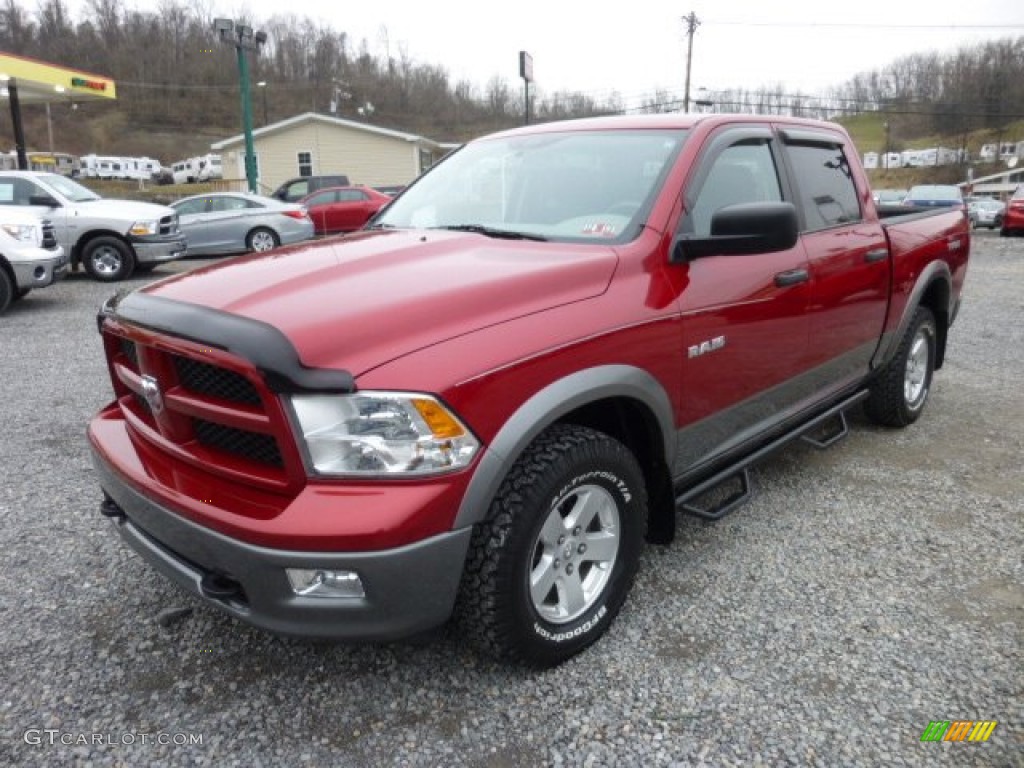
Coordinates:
937 270
546 407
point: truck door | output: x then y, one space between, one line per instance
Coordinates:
848 256
744 318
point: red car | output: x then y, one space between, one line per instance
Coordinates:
1013 219
343 209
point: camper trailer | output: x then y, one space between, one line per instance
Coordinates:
209 168
185 171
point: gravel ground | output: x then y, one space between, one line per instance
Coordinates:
867 590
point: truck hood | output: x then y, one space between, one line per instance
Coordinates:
106 212
128 211
358 302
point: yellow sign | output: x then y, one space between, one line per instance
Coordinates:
39 81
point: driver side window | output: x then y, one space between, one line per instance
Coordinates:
742 173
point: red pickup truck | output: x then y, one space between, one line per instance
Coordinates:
533 359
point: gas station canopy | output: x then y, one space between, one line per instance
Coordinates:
38 82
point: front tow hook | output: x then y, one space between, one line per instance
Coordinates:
109 508
217 586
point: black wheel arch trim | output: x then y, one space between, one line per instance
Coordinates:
545 408
263 345
935 271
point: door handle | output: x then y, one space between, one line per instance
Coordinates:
791 277
878 254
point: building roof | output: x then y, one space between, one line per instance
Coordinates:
309 117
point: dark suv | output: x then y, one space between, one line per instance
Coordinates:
293 189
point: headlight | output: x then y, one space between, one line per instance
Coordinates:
26 233
375 434
144 228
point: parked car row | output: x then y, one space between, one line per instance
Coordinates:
49 222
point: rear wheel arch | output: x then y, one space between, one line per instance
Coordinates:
936 298
933 289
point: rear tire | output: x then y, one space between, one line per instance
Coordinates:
108 259
261 240
550 567
900 391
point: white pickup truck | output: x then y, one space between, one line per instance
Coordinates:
29 255
110 238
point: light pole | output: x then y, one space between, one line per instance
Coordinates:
262 85
242 37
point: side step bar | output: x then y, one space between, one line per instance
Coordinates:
739 472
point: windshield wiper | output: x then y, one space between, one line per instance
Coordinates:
505 234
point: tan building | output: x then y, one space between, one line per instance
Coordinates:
314 145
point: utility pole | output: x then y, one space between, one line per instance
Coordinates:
692 22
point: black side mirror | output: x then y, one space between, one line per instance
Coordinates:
742 229
45 200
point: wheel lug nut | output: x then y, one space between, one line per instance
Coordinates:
582 548
561 539
576 531
558 563
568 569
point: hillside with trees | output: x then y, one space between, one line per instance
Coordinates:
178 86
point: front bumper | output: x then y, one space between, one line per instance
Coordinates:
408 589
40 268
159 248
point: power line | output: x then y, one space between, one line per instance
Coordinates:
859 25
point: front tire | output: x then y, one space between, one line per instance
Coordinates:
551 565
899 393
108 259
7 292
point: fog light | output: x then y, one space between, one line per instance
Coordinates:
323 583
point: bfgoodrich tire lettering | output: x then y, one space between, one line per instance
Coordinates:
899 393
551 565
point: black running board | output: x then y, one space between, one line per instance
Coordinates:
739 472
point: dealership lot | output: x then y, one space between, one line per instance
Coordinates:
866 591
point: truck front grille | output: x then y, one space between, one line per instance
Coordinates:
49 235
247 445
206 379
169 224
207 409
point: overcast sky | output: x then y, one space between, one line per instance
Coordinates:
638 46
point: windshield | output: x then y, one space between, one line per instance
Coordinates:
72 190
566 186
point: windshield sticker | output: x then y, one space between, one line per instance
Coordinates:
600 229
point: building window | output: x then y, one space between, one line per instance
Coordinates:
426 159
305 163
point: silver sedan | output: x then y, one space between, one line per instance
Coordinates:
236 222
